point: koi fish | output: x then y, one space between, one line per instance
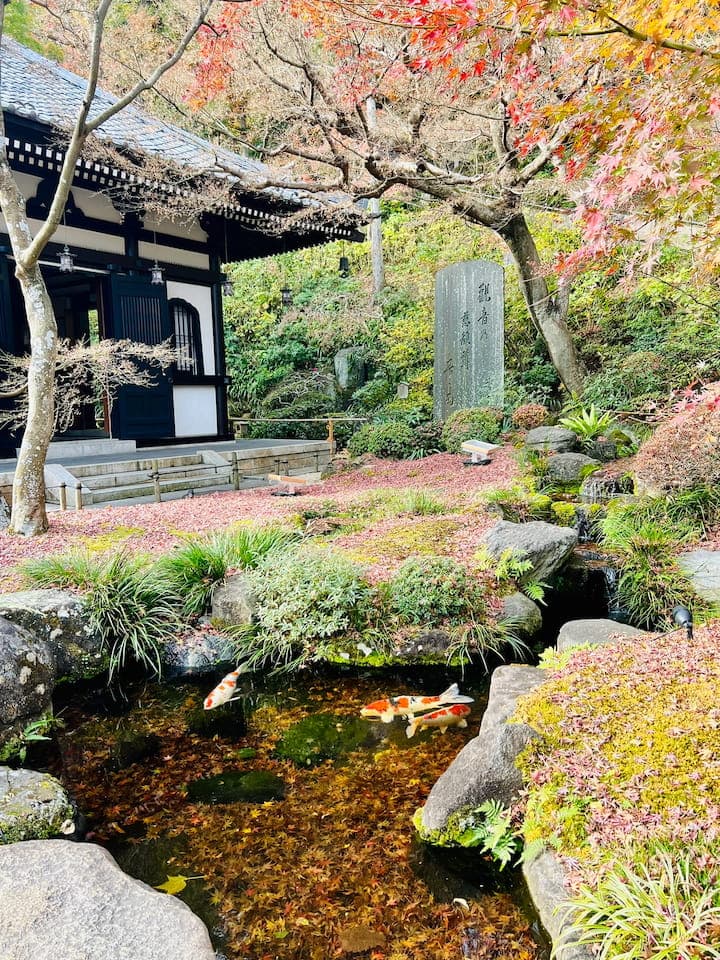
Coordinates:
404 706
223 691
453 716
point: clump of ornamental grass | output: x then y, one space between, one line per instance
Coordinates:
195 568
131 606
647 543
663 909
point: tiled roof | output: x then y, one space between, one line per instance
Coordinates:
38 88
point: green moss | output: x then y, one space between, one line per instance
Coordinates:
322 736
110 540
234 786
564 514
454 834
418 538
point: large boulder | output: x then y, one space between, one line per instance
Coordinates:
27 677
72 901
194 655
594 633
522 615
550 440
485 767
33 806
569 467
350 368
62 620
545 545
702 567
545 879
233 601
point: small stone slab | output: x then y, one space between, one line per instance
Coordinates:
576 633
33 806
4 514
569 467
545 545
702 567
523 616
71 900
233 601
485 767
551 440
545 879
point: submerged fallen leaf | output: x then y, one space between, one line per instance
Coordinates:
359 938
176 884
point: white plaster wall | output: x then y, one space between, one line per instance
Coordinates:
188 229
195 411
165 254
200 297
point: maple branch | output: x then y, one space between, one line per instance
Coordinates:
638 35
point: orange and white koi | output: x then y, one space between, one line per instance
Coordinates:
404 706
223 691
453 716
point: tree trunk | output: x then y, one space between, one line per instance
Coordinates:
28 508
548 311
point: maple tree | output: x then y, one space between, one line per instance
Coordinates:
351 105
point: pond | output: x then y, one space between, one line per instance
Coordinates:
318 859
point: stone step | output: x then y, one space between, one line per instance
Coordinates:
82 470
132 491
109 481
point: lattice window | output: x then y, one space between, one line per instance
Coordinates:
186 323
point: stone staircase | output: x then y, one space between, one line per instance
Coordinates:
133 479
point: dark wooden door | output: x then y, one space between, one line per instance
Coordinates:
139 312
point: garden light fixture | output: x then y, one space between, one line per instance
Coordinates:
344 267
67 260
286 296
157 275
227 286
683 618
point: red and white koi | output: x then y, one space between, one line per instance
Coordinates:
223 691
404 706
453 716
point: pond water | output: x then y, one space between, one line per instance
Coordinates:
332 860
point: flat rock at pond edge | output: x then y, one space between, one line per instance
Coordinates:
569 467
322 736
27 677
33 806
702 567
551 440
194 655
485 767
546 546
71 901
522 615
545 879
233 786
233 601
575 633
60 618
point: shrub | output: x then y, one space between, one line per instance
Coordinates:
474 423
195 568
530 415
428 439
684 451
429 590
304 597
394 439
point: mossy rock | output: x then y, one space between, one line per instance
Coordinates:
133 747
322 736
226 721
234 786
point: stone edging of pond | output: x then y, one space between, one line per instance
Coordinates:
485 770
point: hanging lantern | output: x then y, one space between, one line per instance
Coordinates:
287 297
156 274
67 260
227 286
344 267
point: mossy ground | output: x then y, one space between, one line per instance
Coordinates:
286 877
630 751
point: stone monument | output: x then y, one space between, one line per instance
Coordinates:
469 337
